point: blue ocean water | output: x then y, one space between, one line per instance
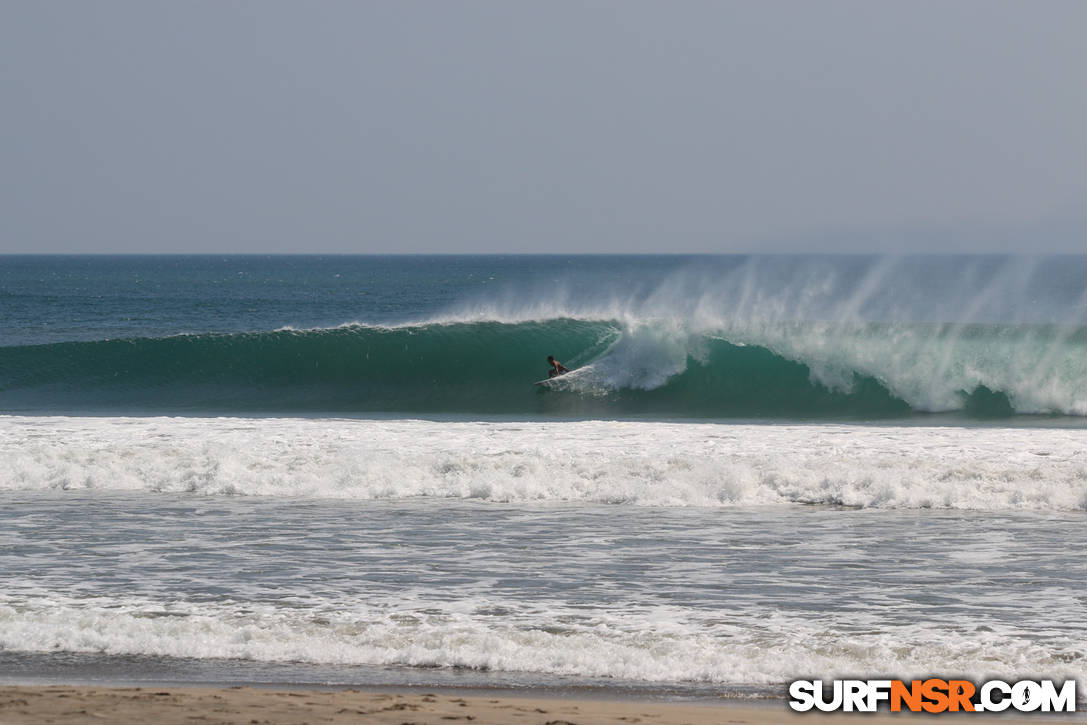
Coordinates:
339 470
664 337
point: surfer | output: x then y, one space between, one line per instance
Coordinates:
557 368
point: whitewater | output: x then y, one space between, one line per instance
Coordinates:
337 470
653 464
754 337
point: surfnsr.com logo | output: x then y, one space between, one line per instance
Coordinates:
933 695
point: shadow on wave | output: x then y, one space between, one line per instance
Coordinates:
481 368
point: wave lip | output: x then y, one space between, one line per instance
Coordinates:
592 462
654 366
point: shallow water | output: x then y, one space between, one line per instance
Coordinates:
889 477
548 585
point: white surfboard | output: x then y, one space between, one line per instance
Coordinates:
560 375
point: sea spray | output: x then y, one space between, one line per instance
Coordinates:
659 367
673 337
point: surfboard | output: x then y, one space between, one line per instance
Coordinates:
551 380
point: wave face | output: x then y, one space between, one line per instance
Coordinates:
626 368
669 337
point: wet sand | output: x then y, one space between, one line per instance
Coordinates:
62 704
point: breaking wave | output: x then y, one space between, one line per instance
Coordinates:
622 367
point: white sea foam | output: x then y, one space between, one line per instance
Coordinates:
641 463
631 642
926 332
909 326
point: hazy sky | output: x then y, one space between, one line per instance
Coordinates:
623 126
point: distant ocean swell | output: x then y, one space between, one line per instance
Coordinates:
656 367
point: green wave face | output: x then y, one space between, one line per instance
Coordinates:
484 367
657 368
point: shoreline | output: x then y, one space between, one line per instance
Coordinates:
245 705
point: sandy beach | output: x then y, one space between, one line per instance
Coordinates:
21 705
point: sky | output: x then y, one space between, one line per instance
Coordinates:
456 126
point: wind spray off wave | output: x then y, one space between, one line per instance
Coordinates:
868 338
730 554
660 367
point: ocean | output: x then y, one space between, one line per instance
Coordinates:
338 470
